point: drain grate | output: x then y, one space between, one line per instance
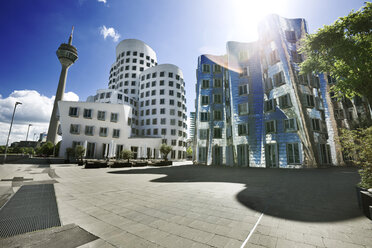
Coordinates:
33 207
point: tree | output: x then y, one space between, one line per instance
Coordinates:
344 51
165 150
357 146
79 152
70 152
29 150
189 152
46 149
126 154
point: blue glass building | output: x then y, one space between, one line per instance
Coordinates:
253 108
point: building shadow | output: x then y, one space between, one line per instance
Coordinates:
311 195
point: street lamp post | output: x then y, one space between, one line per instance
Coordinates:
28 129
10 129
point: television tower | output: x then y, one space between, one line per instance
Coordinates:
67 55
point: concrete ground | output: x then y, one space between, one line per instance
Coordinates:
196 206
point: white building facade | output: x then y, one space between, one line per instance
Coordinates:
147 102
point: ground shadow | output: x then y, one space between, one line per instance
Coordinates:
312 195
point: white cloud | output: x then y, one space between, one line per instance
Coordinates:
35 109
109 32
102 1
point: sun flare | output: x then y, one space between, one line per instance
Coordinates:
248 13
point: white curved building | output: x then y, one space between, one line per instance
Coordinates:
132 58
162 106
153 94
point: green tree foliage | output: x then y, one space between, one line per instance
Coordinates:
126 154
357 147
70 152
46 149
29 150
79 152
165 150
344 50
189 152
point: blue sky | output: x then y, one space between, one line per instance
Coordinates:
179 31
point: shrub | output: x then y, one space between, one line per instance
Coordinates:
165 150
357 146
126 154
79 152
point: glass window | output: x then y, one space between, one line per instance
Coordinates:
205 84
290 125
243 109
74 128
217 98
89 130
204 116
217 133
103 131
73 112
293 153
217 115
114 117
101 115
87 113
270 126
206 68
243 129
285 101
243 89
116 133
270 105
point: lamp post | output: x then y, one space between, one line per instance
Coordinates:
28 129
10 129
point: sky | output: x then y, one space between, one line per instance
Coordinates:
178 31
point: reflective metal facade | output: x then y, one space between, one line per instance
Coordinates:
254 109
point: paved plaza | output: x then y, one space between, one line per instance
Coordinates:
197 206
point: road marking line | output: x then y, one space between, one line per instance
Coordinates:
251 232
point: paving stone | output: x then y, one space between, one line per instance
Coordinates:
284 243
220 241
331 243
313 240
99 243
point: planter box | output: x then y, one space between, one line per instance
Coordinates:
366 198
139 164
121 165
163 163
359 197
95 165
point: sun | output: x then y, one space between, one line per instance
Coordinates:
247 14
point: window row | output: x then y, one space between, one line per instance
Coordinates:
162 102
88 113
163 121
161 74
161 92
284 102
206 68
277 80
293 151
89 130
161 83
163 131
162 111
174 142
134 53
